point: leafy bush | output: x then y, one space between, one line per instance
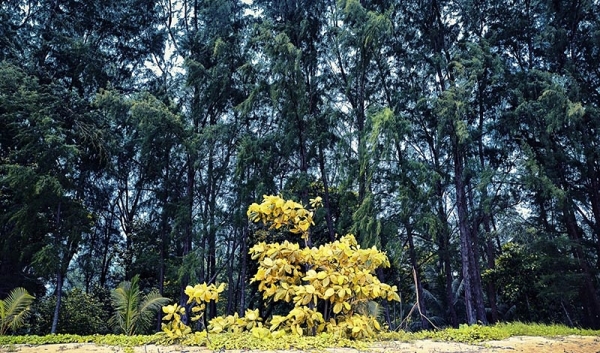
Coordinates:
198 296
331 287
338 278
80 314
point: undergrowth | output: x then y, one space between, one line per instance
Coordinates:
479 333
464 334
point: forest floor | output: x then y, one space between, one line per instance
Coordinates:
526 344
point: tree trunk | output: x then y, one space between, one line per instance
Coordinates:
589 298
326 200
422 308
491 261
243 271
59 285
465 238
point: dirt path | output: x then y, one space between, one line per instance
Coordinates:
566 344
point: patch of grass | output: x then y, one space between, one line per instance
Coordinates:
246 340
532 329
110 340
240 341
479 333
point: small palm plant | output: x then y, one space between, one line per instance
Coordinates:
134 312
14 310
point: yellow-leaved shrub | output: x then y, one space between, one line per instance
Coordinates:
329 285
198 296
338 277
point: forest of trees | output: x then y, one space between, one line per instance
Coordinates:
460 137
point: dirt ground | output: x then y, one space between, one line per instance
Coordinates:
566 344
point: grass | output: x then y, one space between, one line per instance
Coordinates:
463 334
478 333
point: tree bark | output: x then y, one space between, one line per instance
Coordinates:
418 287
59 285
326 198
587 291
465 238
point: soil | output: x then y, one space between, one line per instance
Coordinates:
566 344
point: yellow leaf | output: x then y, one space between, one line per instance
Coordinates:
310 289
279 295
278 334
316 202
329 293
376 291
337 308
276 320
266 209
279 203
307 298
297 313
252 315
310 275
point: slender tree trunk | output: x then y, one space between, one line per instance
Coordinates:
59 285
418 287
449 293
588 291
231 287
444 254
326 199
162 243
595 201
491 262
243 271
477 285
465 238
59 273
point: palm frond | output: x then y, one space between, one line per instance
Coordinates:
14 309
132 312
457 289
431 298
151 303
125 300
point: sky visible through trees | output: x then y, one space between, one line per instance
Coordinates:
460 137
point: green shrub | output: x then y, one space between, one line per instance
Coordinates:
80 314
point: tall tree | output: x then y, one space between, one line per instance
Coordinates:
41 170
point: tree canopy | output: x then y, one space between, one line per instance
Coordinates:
461 138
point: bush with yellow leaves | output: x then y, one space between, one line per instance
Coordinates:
338 278
198 296
329 285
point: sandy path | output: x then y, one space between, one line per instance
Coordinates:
567 344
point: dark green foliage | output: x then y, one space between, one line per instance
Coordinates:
81 314
546 286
